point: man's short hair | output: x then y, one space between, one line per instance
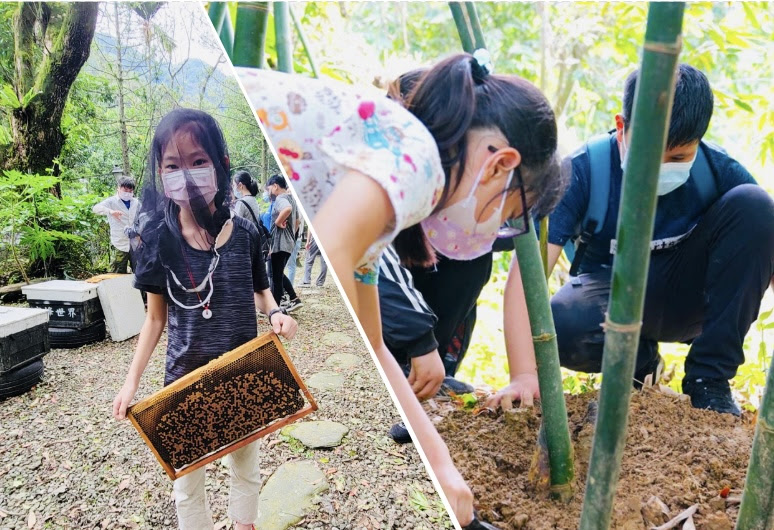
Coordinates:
126 182
279 180
691 109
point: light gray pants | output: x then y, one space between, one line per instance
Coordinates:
193 511
311 254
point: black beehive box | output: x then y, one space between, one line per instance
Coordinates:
23 336
70 304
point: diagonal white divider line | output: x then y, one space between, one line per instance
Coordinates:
367 343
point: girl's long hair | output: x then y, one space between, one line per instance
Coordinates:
155 237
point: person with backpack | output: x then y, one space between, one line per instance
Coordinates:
285 222
712 255
246 206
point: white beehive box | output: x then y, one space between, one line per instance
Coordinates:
61 291
16 319
123 307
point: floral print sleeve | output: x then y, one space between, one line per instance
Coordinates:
322 129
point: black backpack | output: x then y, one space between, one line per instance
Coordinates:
262 232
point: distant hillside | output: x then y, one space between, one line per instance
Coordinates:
189 79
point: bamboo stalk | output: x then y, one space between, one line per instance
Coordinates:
533 277
302 38
226 33
544 245
652 107
757 510
284 40
217 14
543 8
552 404
475 26
463 27
250 34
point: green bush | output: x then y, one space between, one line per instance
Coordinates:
46 231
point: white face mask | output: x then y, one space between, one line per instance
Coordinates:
671 176
203 178
455 232
125 195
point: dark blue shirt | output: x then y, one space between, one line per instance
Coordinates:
126 203
677 212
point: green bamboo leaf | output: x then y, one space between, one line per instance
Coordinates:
752 18
741 104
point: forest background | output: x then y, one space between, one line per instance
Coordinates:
579 54
82 87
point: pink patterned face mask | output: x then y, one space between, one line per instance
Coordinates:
454 231
204 179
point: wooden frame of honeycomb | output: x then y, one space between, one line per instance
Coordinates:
203 407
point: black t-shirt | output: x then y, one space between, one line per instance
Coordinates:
193 341
677 212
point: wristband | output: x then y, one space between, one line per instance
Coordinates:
275 311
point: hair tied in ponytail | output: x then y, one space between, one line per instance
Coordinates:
481 65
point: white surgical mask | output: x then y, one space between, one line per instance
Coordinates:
237 193
456 233
671 176
125 195
175 185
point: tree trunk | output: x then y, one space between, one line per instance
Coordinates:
121 113
652 107
36 130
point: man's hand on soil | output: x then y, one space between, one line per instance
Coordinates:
426 376
523 388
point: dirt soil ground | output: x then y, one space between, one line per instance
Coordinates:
67 464
679 454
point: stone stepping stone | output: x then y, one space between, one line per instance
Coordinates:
288 493
342 360
337 338
325 381
316 434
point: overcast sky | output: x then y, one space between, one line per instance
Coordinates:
185 23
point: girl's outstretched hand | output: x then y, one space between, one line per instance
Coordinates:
284 325
523 388
123 399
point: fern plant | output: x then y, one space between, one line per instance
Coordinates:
35 224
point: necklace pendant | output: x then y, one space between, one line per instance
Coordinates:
207 314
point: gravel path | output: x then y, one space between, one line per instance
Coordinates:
67 464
